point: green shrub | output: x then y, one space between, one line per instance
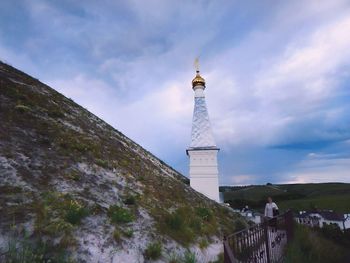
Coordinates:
73 175
57 227
175 221
79 146
128 233
205 213
75 213
102 163
119 214
203 243
67 242
153 251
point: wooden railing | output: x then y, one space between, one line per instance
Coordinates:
261 243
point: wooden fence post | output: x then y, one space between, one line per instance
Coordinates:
267 240
288 217
228 255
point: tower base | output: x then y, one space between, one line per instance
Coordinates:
204 174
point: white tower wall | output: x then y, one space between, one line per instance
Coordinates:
204 172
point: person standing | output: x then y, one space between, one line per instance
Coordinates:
271 209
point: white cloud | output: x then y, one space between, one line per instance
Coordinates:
242 179
257 90
287 87
320 170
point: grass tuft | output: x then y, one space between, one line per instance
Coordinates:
203 243
56 113
73 175
128 233
205 213
102 163
75 213
153 251
174 258
119 214
22 108
117 236
189 257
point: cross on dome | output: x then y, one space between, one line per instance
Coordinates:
198 79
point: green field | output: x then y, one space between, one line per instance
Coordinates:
339 203
333 196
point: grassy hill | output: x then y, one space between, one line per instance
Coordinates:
74 189
335 196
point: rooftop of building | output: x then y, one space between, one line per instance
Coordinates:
325 214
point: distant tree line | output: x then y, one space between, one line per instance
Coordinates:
260 203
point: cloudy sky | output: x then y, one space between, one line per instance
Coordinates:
277 72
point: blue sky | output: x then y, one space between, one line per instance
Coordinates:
277 72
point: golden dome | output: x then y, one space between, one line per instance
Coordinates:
198 80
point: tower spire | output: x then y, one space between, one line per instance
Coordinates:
198 80
196 64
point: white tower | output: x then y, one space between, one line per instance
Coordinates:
202 151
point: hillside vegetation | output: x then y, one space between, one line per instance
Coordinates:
334 196
312 245
72 188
